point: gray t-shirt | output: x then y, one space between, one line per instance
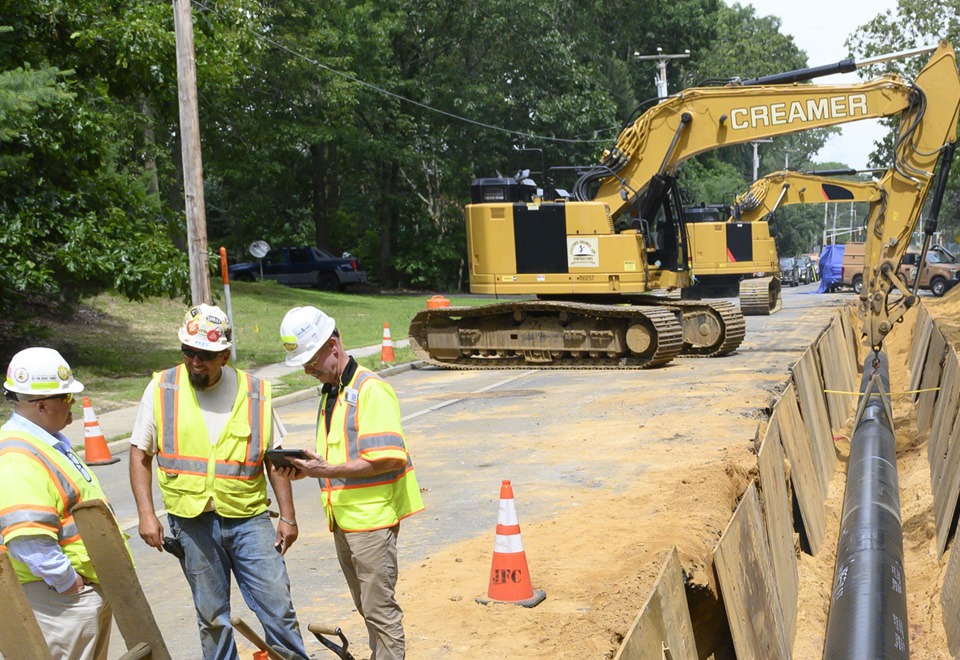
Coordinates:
216 404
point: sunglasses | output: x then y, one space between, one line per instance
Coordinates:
68 398
204 356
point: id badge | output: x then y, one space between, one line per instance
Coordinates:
350 395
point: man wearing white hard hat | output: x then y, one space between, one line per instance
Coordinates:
209 425
42 479
365 472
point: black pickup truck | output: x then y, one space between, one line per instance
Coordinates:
302 266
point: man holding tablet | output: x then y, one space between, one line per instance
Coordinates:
365 472
209 425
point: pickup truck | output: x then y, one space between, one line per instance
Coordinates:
939 274
302 266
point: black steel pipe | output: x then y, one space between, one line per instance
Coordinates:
868 609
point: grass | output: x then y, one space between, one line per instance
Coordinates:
113 345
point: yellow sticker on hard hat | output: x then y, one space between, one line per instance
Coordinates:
21 375
63 372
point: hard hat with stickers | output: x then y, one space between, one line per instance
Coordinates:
206 327
40 372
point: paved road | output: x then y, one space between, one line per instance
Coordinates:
469 430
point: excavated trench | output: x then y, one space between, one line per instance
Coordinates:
924 571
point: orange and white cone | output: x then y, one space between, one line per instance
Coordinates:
509 575
386 348
95 451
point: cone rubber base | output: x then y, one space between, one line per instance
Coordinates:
538 597
107 462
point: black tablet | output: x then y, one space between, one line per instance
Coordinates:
279 457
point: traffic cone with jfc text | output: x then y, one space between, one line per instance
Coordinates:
509 575
95 451
386 349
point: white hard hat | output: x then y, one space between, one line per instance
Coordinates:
303 331
41 372
206 327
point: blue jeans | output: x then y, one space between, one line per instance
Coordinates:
213 546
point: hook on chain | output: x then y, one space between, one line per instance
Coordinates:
876 358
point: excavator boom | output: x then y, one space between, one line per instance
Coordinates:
622 233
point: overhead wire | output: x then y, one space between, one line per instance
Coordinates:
386 92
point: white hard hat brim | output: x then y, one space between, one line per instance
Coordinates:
74 388
303 358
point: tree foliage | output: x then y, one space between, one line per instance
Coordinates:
912 24
340 124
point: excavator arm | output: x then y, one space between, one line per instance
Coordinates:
788 188
702 119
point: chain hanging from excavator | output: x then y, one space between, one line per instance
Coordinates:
594 257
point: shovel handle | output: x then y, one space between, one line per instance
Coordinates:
241 627
320 629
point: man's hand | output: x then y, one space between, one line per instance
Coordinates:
290 473
314 466
286 536
75 588
151 531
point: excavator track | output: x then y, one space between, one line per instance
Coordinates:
547 335
760 296
710 329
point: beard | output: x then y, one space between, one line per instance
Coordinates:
199 381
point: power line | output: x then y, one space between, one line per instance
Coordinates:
347 76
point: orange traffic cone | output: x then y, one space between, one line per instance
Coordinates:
95 450
386 349
509 575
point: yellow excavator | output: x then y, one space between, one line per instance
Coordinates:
789 187
589 255
731 257
733 253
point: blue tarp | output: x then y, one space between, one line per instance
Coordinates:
831 267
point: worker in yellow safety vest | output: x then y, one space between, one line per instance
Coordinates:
366 476
209 425
43 479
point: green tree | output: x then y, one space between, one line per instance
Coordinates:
911 24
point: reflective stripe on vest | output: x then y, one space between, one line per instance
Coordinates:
169 459
24 516
356 446
65 486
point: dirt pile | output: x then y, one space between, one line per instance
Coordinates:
597 560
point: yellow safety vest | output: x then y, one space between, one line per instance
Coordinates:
365 423
188 472
40 499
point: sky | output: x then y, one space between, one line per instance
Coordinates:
820 28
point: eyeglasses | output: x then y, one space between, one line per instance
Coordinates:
79 465
68 398
204 356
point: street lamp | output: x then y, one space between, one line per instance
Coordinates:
756 155
786 157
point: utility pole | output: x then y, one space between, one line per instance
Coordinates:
190 152
756 155
661 78
825 207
